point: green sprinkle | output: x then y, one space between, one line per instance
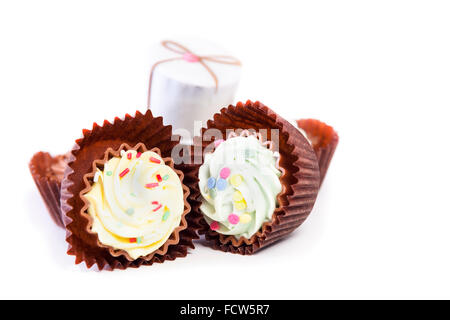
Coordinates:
130 211
166 215
109 173
166 177
132 194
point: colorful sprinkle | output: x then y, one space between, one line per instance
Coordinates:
132 194
133 240
241 205
236 180
124 172
214 225
152 185
96 176
245 218
154 160
166 213
155 202
109 173
129 156
157 208
166 177
211 183
138 155
217 142
233 218
237 196
158 177
130 211
139 240
225 173
221 184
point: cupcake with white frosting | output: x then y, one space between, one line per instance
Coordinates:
239 183
258 182
123 200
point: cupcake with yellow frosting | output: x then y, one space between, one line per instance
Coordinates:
123 201
258 181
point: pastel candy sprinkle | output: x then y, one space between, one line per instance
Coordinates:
139 154
214 225
158 177
166 214
129 155
133 240
221 184
96 176
139 239
130 211
237 196
236 180
241 205
166 177
245 218
211 183
233 218
225 173
109 173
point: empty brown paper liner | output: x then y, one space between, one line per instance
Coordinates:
142 128
300 178
47 173
324 141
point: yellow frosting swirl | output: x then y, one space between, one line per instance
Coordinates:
135 203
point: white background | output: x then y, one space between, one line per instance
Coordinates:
378 71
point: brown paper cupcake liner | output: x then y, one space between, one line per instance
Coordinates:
324 141
47 173
95 143
300 175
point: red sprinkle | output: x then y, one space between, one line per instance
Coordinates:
132 240
155 202
157 208
154 160
129 155
139 154
159 178
152 185
124 172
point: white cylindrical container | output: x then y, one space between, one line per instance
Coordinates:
190 80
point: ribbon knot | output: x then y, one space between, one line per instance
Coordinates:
189 56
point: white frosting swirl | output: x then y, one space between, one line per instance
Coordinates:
135 203
239 183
